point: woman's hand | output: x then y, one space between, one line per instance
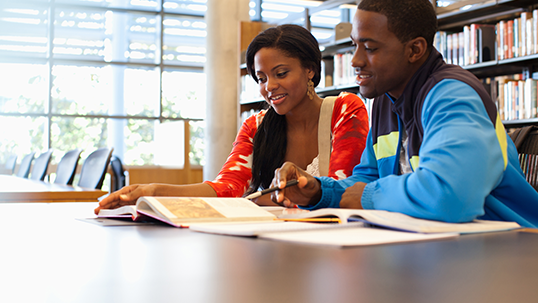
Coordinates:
125 196
307 192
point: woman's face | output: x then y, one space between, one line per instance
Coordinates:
283 80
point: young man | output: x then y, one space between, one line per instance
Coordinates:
437 148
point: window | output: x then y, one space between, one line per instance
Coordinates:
87 74
94 73
322 21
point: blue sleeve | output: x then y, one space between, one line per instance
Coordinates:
332 190
460 161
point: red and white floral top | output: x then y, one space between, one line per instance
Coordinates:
349 130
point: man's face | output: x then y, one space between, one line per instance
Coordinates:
380 59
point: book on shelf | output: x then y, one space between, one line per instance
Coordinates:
183 211
509 39
526 29
475 44
466 44
462 55
402 222
343 73
448 58
485 43
517 97
482 42
518 37
501 39
535 30
455 48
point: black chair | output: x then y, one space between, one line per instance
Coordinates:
41 164
11 163
119 174
94 168
526 141
67 167
26 163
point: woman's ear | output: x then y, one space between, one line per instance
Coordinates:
310 73
417 49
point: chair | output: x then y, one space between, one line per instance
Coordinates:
94 168
41 164
26 163
119 173
67 167
526 141
11 163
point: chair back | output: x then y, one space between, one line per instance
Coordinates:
26 163
67 167
119 173
41 164
526 141
11 163
94 168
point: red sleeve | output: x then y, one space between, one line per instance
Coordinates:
234 177
349 131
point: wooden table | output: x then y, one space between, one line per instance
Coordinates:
5 171
48 256
15 189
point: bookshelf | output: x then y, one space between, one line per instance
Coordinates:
451 19
514 67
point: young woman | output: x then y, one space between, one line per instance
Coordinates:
286 63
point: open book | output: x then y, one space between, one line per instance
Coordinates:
183 211
353 236
404 222
339 235
254 229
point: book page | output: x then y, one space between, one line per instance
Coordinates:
238 208
357 236
405 222
181 210
255 228
120 212
401 221
184 208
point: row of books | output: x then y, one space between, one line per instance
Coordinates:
475 44
517 98
518 37
343 73
250 90
485 42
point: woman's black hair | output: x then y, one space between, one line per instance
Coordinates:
270 141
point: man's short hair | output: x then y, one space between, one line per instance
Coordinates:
407 19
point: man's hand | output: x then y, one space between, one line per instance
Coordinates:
307 192
352 196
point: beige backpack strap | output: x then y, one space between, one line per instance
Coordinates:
325 135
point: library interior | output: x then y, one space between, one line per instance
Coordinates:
97 95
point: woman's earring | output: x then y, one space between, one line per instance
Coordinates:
311 92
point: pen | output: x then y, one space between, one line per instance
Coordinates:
270 190
319 220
